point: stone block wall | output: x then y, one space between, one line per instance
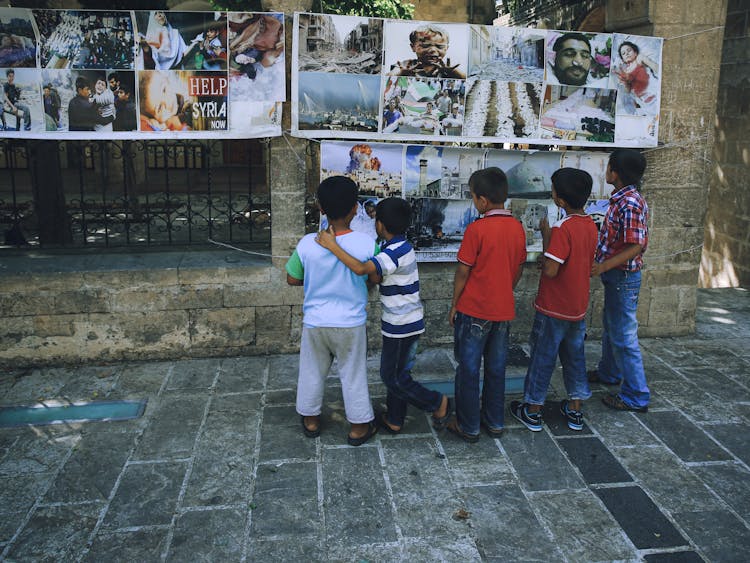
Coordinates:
726 254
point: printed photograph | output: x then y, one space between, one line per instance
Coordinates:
181 40
438 227
509 54
426 49
505 110
636 74
375 167
422 106
458 164
343 44
530 213
574 58
255 119
85 39
256 57
529 173
595 163
20 103
423 170
571 113
637 130
182 100
338 102
17 39
77 100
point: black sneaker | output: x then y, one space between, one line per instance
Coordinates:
532 421
573 418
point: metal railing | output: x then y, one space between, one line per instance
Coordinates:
135 193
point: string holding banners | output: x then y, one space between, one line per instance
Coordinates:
87 74
472 83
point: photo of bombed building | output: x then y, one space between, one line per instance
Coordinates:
348 44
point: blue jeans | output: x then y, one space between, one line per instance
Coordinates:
474 339
621 355
396 361
550 337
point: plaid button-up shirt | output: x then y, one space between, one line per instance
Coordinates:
626 222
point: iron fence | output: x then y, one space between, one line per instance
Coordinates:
135 193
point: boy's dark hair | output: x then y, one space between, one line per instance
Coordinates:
629 164
82 83
216 26
491 183
573 186
336 196
395 214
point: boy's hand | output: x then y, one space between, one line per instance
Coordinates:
327 238
596 269
452 315
544 226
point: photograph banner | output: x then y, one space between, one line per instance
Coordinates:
88 74
382 79
435 181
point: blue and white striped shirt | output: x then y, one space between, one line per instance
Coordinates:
399 291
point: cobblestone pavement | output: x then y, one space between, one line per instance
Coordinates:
217 468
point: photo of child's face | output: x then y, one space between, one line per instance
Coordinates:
160 18
100 86
211 33
159 98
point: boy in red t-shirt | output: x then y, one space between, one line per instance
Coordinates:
561 303
489 267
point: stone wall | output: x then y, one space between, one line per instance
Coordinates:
726 253
102 308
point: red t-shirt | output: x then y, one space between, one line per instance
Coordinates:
495 248
572 244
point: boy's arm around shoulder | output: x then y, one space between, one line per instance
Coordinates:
327 239
295 272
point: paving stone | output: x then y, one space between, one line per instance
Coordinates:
356 509
438 549
92 469
146 496
696 403
55 533
341 551
301 549
283 372
595 462
743 410
733 437
34 386
674 486
173 427
139 380
617 429
422 490
675 557
285 502
590 535
284 397
539 463
242 374
717 384
138 545
718 534
434 364
193 374
640 518
17 495
38 450
282 436
223 464
557 424
683 437
505 526
475 464
220 536
731 482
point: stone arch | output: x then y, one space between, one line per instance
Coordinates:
594 20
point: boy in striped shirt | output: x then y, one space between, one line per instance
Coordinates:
395 269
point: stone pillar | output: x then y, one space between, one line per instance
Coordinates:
726 252
678 172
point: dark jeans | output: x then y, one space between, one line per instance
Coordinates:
396 361
475 339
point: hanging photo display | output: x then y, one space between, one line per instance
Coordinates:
369 78
81 74
435 180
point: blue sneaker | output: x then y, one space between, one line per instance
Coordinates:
573 418
532 421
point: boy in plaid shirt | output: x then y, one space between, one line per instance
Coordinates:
622 241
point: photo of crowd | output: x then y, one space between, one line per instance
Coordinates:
462 82
77 39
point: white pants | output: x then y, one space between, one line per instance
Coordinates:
318 348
